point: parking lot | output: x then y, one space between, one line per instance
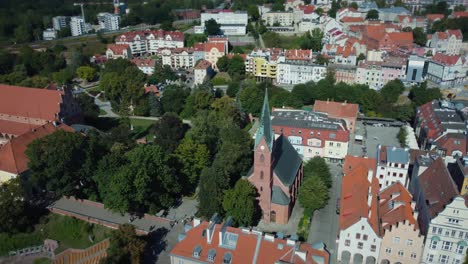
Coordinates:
372 135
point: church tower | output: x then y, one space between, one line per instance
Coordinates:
262 177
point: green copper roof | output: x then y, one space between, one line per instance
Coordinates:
288 161
279 197
265 129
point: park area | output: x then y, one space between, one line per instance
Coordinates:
69 232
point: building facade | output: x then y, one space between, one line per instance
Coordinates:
179 58
447 71
151 41
116 51
232 23
448 42
108 21
392 165
339 110
77 26
296 72
59 22
202 72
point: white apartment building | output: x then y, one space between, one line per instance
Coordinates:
49 34
448 42
295 72
179 58
447 237
151 41
392 165
278 18
145 65
447 71
59 22
232 23
108 21
202 71
77 26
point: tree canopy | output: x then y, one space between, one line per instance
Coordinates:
212 27
313 194
240 203
372 14
125 246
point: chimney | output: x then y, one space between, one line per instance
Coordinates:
370 174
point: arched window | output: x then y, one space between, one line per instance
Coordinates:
262 158
261 175
261 189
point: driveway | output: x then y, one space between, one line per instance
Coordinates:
324 226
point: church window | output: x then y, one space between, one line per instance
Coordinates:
262 158
261 175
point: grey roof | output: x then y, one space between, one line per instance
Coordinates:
279 197
397 155
265 129
287 160
306 119
368 5
394 10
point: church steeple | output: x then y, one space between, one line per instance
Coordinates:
265 129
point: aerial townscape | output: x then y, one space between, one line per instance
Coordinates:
234 131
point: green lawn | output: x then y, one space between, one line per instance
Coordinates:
68 231
275 40
102 112
141 126
304 225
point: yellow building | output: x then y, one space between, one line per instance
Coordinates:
264 69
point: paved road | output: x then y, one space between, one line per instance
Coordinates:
324 226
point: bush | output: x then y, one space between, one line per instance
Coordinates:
402 135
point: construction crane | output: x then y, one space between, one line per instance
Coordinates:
116 4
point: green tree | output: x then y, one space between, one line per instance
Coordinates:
372 14
192 158
64 76
251 98
320 59
402 134
420 94
213 183
212 27
317 167
319 11
174 97
392 90
168 132
86 73
459 8
125 246
12 200
252 11
419 36
353 5
223 64
233 89
88 108
335 6
240 203
313 194
155 105
236 67
162 73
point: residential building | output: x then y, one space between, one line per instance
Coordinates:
340 110
344 73
401 238
296 72
211 242
432 188
277 172
59 22
447 234
145 65
348 12
151 41
447 71
415 69
187 14
352 162
359 229
278 18
378 73
115 51
214 51
77 26
232 23
459 172
13 158
202 71
263 63
459 14
448 42
178 58
392 165
293 4
108 21
392 13
411 22
312 134
24 108
49 34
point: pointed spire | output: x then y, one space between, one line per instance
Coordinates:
265 130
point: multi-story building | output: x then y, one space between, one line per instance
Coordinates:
77 26
339 110
108 21
115 51
263 64
448 42
415 70
392 13
392 165
145 65
295 72
447 71
312 134
401 238
459 172
202 71
359 228
344 73
278 18
432 188
49 34
178 58
59 22
378 73
447 235
187 14
277 172
211 242
151 41
232 23
214 51
411 22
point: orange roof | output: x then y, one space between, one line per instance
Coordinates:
460 14
12 155
434 17
151 89
456 32
337 109
352 162
144 62
354 202
352 19
445 59
249 247
307 9
298 54
401 36
215 45
395 206
203 65
30 102
118 48
14 128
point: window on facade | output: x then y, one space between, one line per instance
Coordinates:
466 235
401 253
292 131
460 249
360 245
347 242
331 144
332 135
373 248
446 245
388 250
396 240
456 261
364 237
439 231
453 233
443 259
394 174
409 242
460 235
358 236
413 255
402 166
381 176
433 244
400 175
338 144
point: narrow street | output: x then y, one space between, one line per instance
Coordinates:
324 226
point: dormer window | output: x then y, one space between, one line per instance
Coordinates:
227 258
211 255
197 252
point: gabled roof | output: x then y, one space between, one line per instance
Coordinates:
144 62
298 54
437 186
288 161
433 17
12 155
460 14
337 109
455 32
215 45
352 162
118 49
395 206
203 65
451 142
30 102
446 59
352 19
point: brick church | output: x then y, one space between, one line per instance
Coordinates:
277 171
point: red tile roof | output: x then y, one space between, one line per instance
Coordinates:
248 244
445 59
215 45
352 162
337 109
30 102
157 34
15 128
203 65
460 14
118 49
433 17
307 9
298 54
144 62
451 142
151 89
456 32
395 206
12 155
352 20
